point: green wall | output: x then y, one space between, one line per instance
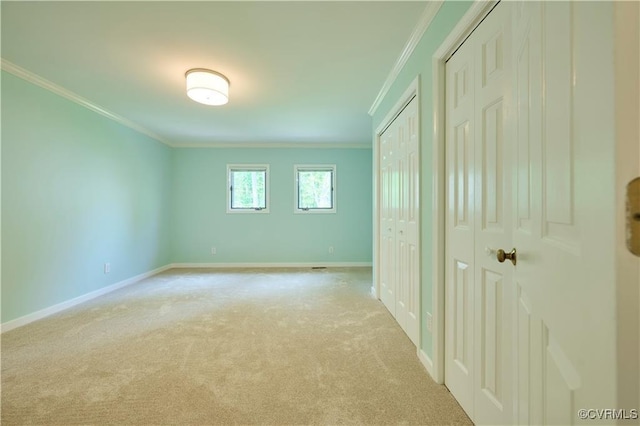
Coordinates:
200 220
78 190
419 64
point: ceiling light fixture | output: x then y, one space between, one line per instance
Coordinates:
207 87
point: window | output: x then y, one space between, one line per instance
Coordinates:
315 188
248 188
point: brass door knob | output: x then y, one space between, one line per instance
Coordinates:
502 256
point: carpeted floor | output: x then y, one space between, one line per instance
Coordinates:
253 346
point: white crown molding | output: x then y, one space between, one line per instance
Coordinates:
275 145
67 94
413 90
421 27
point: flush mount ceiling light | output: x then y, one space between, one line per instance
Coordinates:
207 87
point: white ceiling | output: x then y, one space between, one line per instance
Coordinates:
300 72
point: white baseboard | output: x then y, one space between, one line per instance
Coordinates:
374 293
24 320
427 362
273 265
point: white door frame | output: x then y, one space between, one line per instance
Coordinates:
412 91
476 13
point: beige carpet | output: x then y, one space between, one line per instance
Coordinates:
260 346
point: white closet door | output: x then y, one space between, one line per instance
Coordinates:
479 288
558 146
565 215
493 211
400 234
460 222
387 223
407 233
411 190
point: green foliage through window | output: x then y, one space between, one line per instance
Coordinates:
315 188
248 189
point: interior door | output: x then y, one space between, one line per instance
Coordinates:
565 329
460 224
563 156
412 225
387 222
493 211
399 219
407 232
479 289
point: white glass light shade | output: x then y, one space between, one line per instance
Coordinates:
207 87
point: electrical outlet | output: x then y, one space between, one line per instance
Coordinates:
429 322
107 267
330 249
213 250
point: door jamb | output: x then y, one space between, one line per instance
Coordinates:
476 13
626 85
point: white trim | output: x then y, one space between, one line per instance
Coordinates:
375 284
1 210
67 94
426 362
438 221
456 37
271 145
273 265
430 12
403 101
626 89
24 320
476 13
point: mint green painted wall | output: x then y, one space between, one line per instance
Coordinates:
78 190
200 220
419 64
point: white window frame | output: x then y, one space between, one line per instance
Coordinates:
248 167
296 187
